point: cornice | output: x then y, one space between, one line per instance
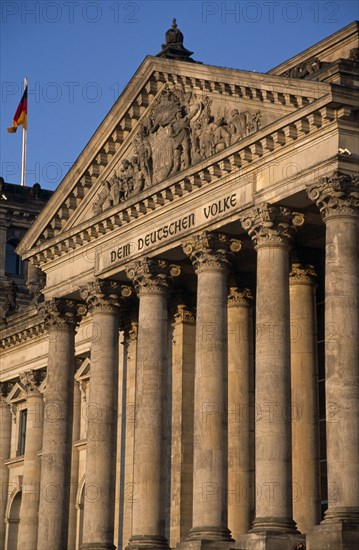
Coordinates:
21 328
147 82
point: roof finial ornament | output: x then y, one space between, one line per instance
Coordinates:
174 48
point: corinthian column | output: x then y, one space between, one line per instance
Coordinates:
272 229
210 254
103 300
304 396
240 411
61 317
151 279
337 197
5 441
29 511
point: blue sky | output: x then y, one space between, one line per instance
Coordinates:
79 56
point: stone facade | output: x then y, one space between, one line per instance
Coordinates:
196 294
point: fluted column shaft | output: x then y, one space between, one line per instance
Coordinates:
151 280
304 397
103 300
5 441
272 229
240 411
337 198
209 254
60 321
29 511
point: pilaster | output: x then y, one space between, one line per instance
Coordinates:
182 411
29 511
241 493
304 388
5 442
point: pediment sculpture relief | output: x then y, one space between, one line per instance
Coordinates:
181 129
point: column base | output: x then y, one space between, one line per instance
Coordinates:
334 534
97 546
269 541
205 545
273 524
208 533
149 542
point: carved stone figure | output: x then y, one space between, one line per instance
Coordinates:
179 130
243 123
238 124
221 136
144 154
10 299
138 177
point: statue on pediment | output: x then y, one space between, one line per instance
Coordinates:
304 69
181 129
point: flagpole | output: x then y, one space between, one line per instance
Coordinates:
24 144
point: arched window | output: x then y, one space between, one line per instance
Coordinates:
13 263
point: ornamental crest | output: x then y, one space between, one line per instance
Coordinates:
181 129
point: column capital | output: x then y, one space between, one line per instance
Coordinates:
61 313
30 383
302 274
337 194
104 296
269 224
183 314
131 331
150 275
211 250
237 297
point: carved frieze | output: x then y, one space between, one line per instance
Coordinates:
271 224
336 194
182 128
211 250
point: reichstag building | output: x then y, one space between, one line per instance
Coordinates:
179 319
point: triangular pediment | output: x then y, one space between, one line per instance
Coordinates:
83 372
172 117
17 394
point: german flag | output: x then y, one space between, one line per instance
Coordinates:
20 117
